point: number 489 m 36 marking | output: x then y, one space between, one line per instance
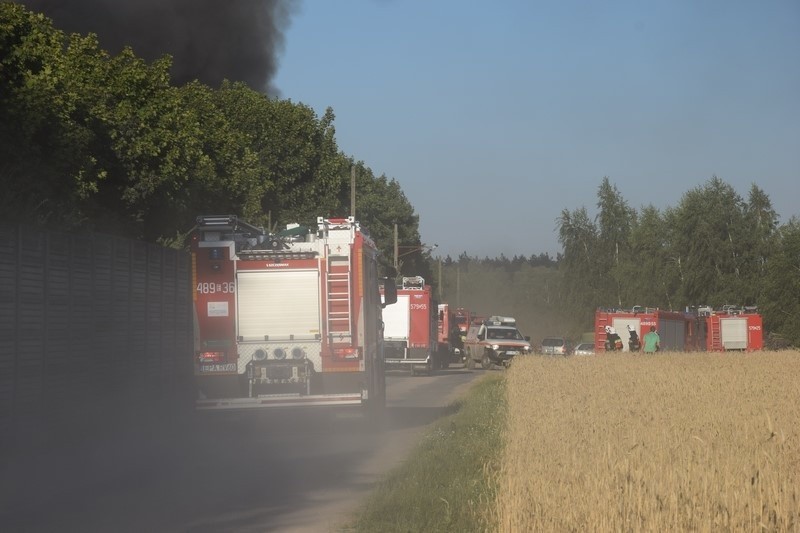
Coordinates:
213 288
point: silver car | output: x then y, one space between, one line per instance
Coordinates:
584 348
556 346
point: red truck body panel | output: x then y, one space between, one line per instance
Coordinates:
411 326
734 331
678 331
702 329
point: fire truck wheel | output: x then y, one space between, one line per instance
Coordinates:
486 363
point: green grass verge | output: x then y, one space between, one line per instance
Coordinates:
448 481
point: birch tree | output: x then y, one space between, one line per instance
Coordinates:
581 271
614 222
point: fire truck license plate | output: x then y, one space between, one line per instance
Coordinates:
227 367
511 352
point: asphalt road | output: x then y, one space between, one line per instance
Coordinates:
294 470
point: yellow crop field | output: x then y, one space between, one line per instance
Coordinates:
666 442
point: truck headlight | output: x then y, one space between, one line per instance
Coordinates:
279 353
495 347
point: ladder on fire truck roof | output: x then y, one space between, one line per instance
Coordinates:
340 313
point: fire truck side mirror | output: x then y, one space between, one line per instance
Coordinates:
389 291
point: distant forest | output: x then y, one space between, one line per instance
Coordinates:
91 141
714 248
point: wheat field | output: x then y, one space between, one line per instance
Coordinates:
666 442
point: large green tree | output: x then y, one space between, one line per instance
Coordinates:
381 205
615 220
583 276
301 169
780 299
651 274
38 132
760 232
709 238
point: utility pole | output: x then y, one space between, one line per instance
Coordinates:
395 246
440 279
458 286
353 191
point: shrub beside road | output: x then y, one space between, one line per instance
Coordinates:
448 482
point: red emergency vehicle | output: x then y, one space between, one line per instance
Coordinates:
410 328
733 328
451 344
678 331
284 319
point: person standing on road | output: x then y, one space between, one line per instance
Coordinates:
652 342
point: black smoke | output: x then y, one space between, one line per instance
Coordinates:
209 40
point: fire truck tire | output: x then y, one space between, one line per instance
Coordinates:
486 363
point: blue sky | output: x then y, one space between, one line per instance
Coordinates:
496 116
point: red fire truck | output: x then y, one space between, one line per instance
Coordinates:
451 344
732 328
410 328
678 331
287 319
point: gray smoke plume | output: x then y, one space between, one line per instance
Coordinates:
209 40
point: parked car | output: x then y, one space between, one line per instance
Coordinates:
584 348
556 346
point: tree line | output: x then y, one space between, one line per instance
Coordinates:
714 248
